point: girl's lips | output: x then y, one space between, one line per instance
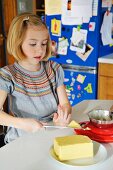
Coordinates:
38 57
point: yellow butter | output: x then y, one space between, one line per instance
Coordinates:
74 124
73 147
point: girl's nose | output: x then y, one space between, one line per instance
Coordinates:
39 48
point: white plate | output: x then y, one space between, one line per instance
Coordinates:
100 154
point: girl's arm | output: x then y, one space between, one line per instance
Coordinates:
27 124
63 115
63 99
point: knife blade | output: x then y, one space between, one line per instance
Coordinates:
64 127
58 127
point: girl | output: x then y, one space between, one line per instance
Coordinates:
33 84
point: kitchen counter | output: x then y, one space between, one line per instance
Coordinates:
108 59
32 151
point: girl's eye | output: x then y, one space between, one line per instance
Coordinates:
44 44
32 44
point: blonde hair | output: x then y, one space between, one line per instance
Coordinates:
17 32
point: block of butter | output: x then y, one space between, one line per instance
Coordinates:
74 124
73 147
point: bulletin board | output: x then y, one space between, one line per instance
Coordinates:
93 38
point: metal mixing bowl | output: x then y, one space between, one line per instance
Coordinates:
101 118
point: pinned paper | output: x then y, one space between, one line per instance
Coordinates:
76 12
81 78
82 8
92 26
106 3
66 17
106 29
88 88
78 40
56 27
62 46
53 7
86 54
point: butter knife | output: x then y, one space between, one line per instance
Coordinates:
64 127
58 127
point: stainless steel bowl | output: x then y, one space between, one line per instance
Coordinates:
101 118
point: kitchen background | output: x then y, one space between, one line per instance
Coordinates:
83 40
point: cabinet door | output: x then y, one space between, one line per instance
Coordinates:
2 44
105 69
2 51
9 11
105 88
39 7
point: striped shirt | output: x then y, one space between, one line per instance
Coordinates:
31 94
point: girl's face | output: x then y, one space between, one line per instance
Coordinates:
35 44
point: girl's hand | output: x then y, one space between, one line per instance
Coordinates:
31 125
61 118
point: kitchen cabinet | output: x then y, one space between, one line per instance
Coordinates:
2 59
105 81
39 7
35 6
8 12
2 43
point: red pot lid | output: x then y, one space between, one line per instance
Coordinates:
97 130
95 133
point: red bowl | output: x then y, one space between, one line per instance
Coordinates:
99 124
95 133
